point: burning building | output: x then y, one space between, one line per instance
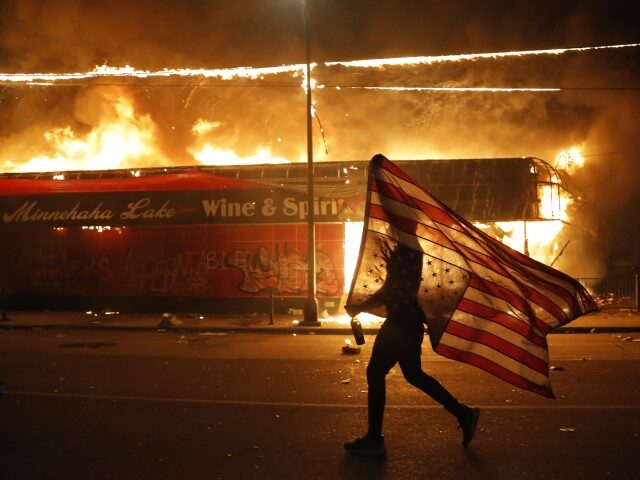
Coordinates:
226 238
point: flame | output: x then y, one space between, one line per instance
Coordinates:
121 138
105 71
352 240
210 154
345 319
384 62
541 237
554 200
253 73
454 89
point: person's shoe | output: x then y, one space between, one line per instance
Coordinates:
367 446
468 422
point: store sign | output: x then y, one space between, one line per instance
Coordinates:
222 206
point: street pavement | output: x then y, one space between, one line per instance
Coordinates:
603 321
96 403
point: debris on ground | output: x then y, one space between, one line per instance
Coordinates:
567 429
345 381
554 367
169 321
349 349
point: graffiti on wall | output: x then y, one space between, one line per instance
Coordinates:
187 273
285 272
91 263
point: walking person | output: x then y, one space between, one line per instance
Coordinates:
399 340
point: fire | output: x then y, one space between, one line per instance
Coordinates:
384 62
352 240
541 237
554 200
105 71
209 154
121 139
454 89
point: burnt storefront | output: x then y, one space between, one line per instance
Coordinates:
189 241
223 239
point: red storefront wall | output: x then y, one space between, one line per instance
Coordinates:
215 266
200 243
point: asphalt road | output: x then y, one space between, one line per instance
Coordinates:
142 405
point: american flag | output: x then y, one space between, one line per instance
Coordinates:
485 303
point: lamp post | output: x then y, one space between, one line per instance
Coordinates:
311 303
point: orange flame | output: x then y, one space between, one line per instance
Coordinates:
121 139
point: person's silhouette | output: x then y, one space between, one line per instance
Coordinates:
399 341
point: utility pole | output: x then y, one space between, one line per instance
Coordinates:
311 303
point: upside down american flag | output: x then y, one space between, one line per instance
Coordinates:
485 304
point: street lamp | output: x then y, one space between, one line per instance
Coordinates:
311 303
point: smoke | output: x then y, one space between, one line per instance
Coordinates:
67 36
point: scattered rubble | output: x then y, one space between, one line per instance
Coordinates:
349 349
169 321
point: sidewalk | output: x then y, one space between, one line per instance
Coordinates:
606 321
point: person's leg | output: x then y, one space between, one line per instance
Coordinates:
412 370
380 363
382 360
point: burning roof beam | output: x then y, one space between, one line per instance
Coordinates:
253 73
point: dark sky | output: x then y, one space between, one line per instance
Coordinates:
71 36
76 35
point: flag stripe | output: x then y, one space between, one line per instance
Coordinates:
501 292
494 304
395 193
567 296
506 254
541 352
511 364
410 226
556 275
491 301
493 368
430 234
445 254
402 209
502 318
499 344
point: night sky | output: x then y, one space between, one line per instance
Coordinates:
74 36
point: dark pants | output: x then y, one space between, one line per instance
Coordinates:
403 345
